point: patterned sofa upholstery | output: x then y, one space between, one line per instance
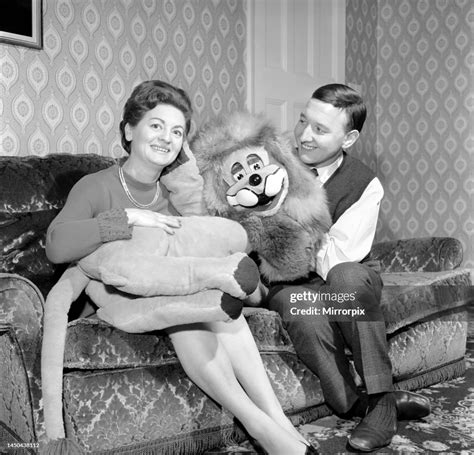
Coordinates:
127 393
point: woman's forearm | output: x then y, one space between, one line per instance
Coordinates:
71 240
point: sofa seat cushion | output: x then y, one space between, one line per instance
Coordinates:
409 297
157 407
94 344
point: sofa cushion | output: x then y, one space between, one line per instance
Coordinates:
421 254
22 240
33 190
93 344
117 373
33 183
408 297
158 407
429 348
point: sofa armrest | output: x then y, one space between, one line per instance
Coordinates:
21 315
16 406
427 254
21 307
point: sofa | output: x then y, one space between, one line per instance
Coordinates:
127 393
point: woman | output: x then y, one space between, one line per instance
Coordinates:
221 358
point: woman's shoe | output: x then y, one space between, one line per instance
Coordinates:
310 450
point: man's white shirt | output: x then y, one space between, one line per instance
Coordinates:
350 238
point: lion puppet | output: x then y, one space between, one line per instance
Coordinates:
251 175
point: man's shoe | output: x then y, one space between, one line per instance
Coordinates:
379 425
366 438
411 406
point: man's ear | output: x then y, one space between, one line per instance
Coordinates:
350 139
128 132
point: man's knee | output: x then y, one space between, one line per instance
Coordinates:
353 275
348 273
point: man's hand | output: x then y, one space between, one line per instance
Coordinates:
147 218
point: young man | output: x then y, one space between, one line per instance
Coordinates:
330 124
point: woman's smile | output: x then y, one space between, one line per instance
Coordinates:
158 148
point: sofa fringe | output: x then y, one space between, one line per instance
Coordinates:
62 447
308 415
440 374
186 445
221 437
234 436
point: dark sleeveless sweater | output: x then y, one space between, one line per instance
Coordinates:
346 185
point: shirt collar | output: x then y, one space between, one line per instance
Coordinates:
324 172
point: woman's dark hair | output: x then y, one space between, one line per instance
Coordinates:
145 97
346 98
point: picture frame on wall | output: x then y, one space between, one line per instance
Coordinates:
21 23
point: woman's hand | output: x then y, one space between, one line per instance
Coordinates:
147 218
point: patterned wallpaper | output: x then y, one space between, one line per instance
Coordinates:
414 60
410 57
68 97
361 60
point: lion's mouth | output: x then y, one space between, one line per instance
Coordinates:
264 198
262 204
269 205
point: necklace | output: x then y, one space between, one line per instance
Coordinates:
131 198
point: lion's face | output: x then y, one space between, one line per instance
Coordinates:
257 183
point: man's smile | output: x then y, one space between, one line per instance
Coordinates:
308 147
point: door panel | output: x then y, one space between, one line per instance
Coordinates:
294 46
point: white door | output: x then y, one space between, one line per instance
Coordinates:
294 46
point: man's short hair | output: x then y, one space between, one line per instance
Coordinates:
346 98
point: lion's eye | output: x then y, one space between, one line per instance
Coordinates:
239 176
254 162
237 171
256 166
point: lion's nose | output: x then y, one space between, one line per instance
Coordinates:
255 180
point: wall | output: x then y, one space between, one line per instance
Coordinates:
68 97
419 89
361 61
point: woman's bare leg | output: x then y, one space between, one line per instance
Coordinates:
206 362
247 364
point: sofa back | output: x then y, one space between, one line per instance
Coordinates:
32 191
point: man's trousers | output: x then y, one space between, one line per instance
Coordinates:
322 318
